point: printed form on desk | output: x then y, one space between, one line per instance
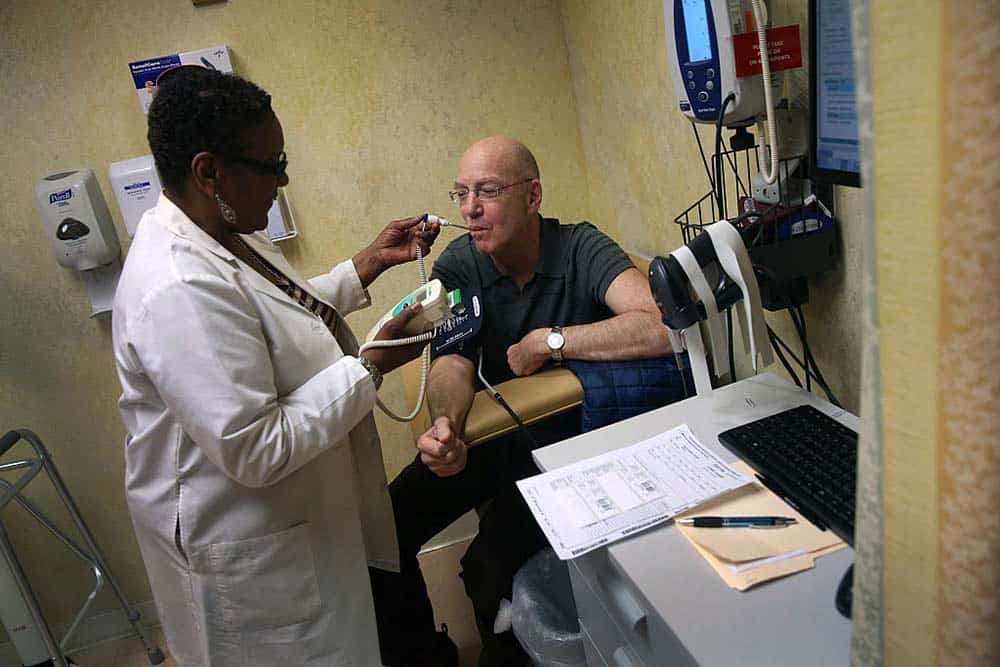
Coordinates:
600 500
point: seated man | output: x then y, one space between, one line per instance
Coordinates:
537 277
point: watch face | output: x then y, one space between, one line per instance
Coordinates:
555 341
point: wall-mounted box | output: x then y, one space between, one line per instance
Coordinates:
137 187
145 72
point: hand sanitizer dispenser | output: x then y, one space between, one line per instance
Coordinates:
76 220
79 228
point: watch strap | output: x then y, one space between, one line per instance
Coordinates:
556 352
373 371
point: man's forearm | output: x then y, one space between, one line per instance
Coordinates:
450 391
633 335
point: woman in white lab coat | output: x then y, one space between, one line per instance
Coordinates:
253 468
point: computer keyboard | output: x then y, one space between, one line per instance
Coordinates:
806 457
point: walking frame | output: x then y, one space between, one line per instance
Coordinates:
91 555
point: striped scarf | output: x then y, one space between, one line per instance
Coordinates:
323 311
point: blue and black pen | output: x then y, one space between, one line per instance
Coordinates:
738 521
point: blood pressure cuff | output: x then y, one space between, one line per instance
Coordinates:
463 327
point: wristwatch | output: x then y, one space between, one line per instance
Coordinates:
373 371
556 341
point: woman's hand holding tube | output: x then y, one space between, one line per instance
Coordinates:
396 244
388 359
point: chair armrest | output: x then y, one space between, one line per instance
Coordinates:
533 398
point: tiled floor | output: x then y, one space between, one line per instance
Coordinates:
450 606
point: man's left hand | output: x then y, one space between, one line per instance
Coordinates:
530 353
398 242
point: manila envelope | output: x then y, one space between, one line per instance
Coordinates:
732 551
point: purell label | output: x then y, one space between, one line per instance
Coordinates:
57 197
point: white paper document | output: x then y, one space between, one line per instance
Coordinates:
597 501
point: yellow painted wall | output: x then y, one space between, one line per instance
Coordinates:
907 86
644 169
378 100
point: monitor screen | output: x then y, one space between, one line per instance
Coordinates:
696 30
836 150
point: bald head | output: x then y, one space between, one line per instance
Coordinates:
502 176
505 153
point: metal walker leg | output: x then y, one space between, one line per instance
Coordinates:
91 555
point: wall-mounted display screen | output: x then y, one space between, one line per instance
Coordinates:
836 149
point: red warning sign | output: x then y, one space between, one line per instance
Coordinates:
783 46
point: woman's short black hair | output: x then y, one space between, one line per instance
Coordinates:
196 109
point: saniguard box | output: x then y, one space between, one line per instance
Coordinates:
137 187
145 72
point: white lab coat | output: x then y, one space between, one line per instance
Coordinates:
253 468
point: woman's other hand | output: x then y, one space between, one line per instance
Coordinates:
390 358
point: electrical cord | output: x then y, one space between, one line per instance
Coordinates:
680 366
809 356
795 358
732 361
735 222
704 160
717 160
809 364
773 337
811 370
805 344
736 172
498 397
800 331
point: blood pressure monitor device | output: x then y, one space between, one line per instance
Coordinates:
437 306
700 49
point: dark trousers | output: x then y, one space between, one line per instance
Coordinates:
424 504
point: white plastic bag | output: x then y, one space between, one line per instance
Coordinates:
543 613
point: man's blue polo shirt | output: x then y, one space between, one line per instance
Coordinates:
576 265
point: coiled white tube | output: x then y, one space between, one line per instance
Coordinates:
769 175
426 336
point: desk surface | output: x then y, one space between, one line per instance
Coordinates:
789 621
